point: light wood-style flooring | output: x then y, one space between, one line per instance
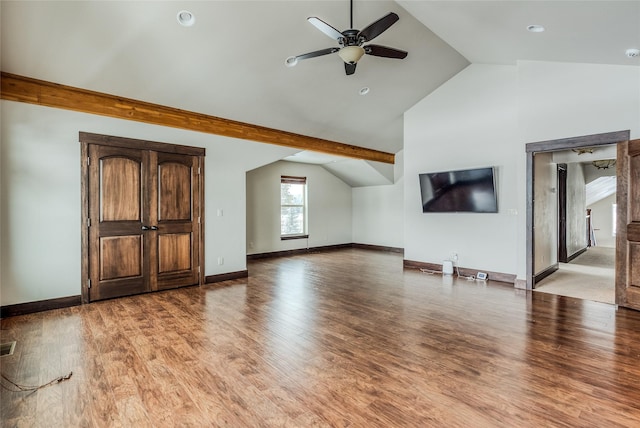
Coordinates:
342 339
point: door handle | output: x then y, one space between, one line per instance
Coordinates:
145 227
154 227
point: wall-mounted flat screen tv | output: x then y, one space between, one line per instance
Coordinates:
469 190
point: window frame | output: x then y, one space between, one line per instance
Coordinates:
286 179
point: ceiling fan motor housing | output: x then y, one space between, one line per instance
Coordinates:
351 38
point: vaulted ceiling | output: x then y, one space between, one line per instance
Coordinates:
231 62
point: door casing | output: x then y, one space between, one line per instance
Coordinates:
553 146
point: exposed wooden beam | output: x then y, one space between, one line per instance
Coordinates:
33 91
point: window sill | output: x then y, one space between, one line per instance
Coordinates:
290 237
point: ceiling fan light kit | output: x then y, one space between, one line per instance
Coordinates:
351 54
351 42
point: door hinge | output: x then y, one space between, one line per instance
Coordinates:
198 220
88 160
88 283
198 170
89 222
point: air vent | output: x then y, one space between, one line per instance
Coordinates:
7 348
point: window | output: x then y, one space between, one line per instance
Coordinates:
293 207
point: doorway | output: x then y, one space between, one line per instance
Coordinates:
586 190
541 152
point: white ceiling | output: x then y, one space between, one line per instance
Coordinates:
599 189
231 62
494 32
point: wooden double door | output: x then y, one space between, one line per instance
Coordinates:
143 204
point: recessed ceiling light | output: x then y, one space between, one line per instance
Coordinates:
632 53
291 61
535 28
364 91
186 18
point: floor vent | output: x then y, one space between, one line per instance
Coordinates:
7 348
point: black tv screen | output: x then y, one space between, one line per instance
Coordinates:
469 190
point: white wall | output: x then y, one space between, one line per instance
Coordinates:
226 165
40 205
378 215
559 100
328 215
470 121
602 221
40 196
378 211
484 116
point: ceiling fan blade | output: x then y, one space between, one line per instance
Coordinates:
325 28
349 68
377 50
317 53
378 27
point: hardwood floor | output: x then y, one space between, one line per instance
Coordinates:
342 338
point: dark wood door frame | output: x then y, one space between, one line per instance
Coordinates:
86 139
553 146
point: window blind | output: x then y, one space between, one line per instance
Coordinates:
285 179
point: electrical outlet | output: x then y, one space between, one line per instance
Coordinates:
220 260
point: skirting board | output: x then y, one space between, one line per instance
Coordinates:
39 306
576 254
545 273
323 248
492 276
378 248
212 279
287 253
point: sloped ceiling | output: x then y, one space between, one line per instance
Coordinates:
494 32
231 62
599 189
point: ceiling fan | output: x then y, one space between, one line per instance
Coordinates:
351 42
